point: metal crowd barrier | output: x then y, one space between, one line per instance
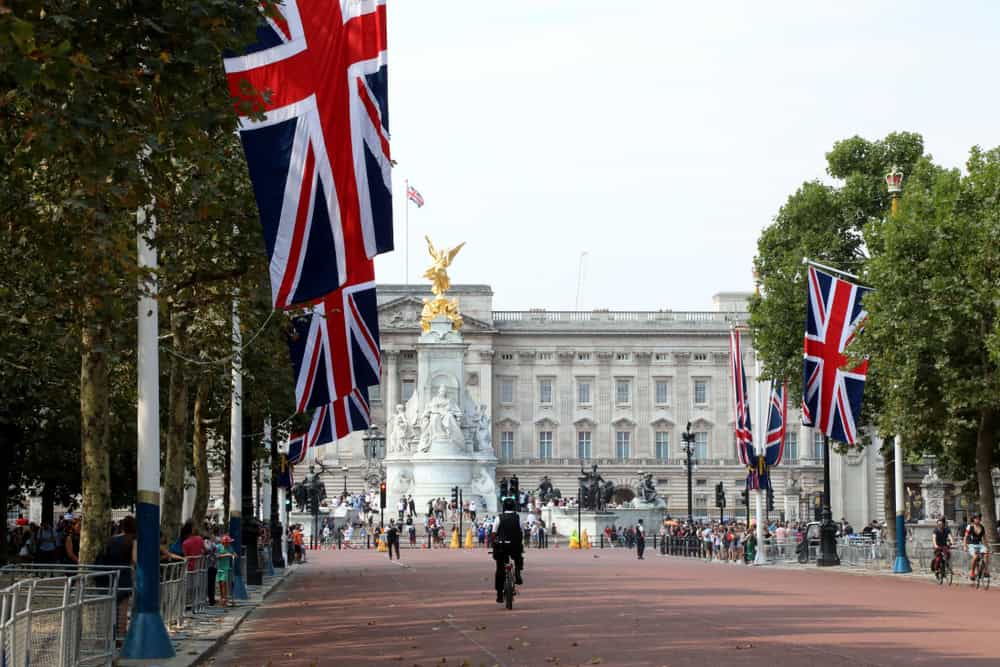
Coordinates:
59 621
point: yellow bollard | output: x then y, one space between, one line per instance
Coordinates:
585 542
469 544
454 539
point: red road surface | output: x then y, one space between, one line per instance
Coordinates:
605 607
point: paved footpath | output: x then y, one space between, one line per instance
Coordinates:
606 607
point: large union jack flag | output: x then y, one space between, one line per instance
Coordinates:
319 162
741 403
832 394
335 348
777 418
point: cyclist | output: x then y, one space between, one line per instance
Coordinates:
975 542
942 541
508 541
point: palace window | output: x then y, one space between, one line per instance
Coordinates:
545 445
817 446
506 390
623 391
583 356
701 446
583 392
700 356
662 392
623 445
623 356
545 356
661 445
583 442
662 356
791 446
701 392
506 445
407 388
545 391
375 393
507 356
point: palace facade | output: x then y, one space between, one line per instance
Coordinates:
567 389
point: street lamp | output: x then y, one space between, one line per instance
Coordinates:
688 437
345 470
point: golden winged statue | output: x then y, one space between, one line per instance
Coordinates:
437 273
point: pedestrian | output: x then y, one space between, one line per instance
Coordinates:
211 559
225 557
120 553
392 538
640 539
413 534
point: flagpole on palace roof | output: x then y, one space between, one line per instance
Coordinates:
406 234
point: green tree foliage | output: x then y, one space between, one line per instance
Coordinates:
933 319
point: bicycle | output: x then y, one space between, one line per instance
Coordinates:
509 587
944 572
981 573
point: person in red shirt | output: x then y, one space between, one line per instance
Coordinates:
192 545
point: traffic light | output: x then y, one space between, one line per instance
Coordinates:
770 500
744 497
288 502
454 496
381 495
720 495
514 486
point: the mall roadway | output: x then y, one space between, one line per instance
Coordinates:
605 607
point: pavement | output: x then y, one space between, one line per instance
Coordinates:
203 633
605 607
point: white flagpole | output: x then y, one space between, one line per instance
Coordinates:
406 234
236 480
759 448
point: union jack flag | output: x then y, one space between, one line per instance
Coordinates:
777 418
743 428
414 196
831 394
319 162
296 448
335 349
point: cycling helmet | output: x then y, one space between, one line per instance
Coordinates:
508 505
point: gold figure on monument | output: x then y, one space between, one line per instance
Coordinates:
437 273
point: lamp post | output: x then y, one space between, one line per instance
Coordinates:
688 437
345 470
894 183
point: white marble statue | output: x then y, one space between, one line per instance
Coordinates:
439 422
483 484
403 483
484 431
400 432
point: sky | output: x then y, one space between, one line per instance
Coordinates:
657 137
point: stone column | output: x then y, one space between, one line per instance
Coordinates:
565 446
525 398
391 382
642 406
602 446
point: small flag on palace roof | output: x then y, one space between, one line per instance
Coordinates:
319 162
831 393
335 347
777 418
414 196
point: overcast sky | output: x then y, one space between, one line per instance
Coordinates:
658 137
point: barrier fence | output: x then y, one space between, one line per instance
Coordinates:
59 621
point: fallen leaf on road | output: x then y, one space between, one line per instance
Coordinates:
509 647
435 628
524 627
480 627
525 643
371 622
596 661
740 647
574 644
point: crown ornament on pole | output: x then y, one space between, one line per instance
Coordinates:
894 181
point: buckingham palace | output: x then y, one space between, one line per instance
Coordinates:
567 389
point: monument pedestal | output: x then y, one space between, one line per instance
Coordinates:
441 439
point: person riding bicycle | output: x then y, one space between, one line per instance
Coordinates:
975 542
508 542
941 540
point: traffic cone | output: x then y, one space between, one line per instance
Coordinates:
585 542
468 539
382 546
574 541
454 539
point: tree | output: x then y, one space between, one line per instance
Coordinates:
933 319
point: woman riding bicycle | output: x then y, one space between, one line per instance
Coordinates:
975 542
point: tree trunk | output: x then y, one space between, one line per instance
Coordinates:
984 472
200 456
889 492
227 467
176 440
94 428
48 504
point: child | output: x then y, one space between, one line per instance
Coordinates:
224 561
